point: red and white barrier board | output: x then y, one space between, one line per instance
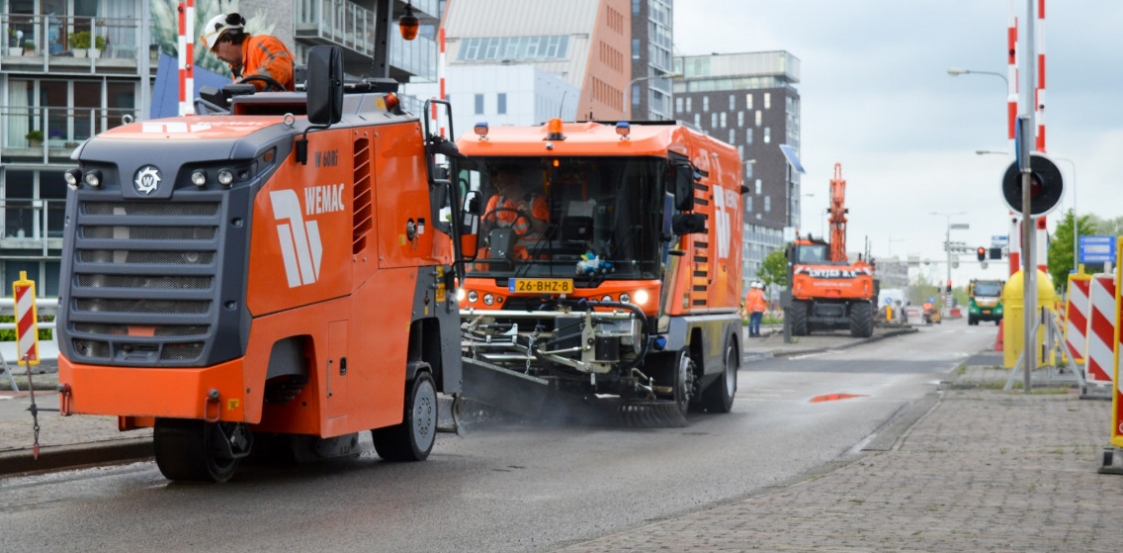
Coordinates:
1117 341
1077 309
1100 366
27 320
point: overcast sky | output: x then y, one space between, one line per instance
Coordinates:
877 98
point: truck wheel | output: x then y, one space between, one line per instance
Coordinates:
798 313
188 450
861 319
718 397
971 320
683 383
413 439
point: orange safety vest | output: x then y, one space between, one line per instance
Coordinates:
266 55
754 301
509 217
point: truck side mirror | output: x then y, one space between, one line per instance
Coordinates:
684 187
325 85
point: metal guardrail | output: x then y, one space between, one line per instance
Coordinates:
44 306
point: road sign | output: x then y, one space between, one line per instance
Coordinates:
999 241
27 321
1097 249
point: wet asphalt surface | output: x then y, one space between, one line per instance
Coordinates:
506 485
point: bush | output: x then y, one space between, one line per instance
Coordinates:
10 335
99 42
34 135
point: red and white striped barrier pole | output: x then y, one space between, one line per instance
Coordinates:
186 56
27 322
1039 98
441 75
1012 75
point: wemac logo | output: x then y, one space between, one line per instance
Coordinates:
301 248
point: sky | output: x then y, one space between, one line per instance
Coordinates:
877 98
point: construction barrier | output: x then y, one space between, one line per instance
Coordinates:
1077 307
1117 315
1101 330
27 321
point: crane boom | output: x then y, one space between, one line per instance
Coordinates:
838 213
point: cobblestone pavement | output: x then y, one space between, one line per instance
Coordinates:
985 470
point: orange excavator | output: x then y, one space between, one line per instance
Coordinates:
827 291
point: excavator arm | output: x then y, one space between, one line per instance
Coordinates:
838 215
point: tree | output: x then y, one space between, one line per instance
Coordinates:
774 269
1106 227
1060 246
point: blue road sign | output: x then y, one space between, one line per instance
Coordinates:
1097 249
931 299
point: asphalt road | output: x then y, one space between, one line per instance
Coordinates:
512 487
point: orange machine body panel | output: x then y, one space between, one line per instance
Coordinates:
340 261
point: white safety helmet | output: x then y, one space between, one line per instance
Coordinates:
220 25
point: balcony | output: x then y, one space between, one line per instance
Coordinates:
42 135
47 43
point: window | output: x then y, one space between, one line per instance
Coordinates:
749 204
501 104
688 106
732 102
733 138
713 120
749 136
749 100
678 105
767 135
705 103
513 48
749 170
767 204
723 119
740 119
767 100
635 48
757 183
698 120
635 95
758 117
635 10
740 148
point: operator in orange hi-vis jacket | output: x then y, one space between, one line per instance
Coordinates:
754 304
527 214
254 59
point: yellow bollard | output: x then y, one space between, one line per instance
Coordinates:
1013 303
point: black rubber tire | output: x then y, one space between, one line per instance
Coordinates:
861 319
798 314
718 396
413 439
185 452
998 322
972 321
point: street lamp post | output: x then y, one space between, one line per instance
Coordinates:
947 240
957 71
628 90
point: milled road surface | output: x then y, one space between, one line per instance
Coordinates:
503 488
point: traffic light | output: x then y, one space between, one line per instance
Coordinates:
1046 185
949 287
982 253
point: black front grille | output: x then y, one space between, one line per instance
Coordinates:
145 273
165 307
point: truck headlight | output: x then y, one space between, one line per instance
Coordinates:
489 299
199 178
225 177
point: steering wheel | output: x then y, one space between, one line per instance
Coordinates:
491 217
270 82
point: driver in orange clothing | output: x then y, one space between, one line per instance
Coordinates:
249 55
527 214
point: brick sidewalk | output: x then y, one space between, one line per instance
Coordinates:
983 471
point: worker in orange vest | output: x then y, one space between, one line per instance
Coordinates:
754 304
